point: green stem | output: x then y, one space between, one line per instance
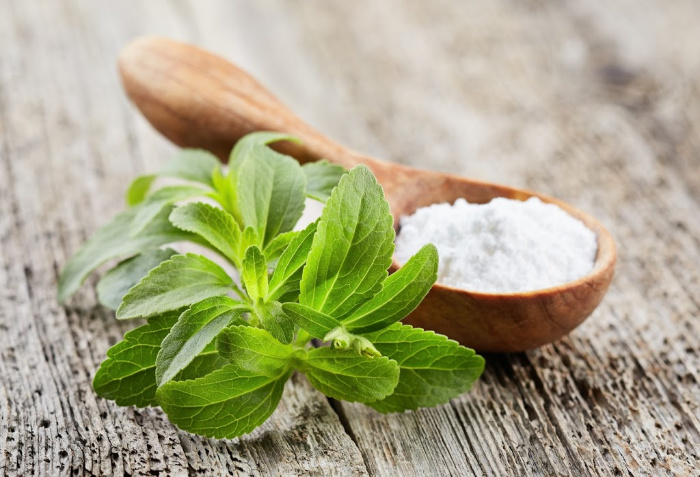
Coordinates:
225 200
221 200
241 294
253 319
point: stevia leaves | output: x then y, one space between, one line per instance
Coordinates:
352 247
275 320
195 165
270 193
158 201
178 282
314 322
277 246
254 273
239 155
214 225
227 403
127 376
287 275
346 375
114 240
221 365
194 330
246 144
254 350
138 189
434 369
206 362
321 178
400 295
117 282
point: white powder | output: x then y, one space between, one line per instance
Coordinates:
501 247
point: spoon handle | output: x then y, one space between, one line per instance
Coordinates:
197 99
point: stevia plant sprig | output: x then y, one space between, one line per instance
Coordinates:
215 355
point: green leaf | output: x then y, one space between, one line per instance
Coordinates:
139 188
178 282
248 239
117 282
227 403
189 164
434 369
206 362
401 294
321 178
194 330
195 165
352 248
244 145
270 190
158 201
277 246
344 374
275 320
287 274
254 350
114 240
127 376
216 226
225 194
313 322
239 155
254 273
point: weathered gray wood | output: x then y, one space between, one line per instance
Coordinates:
597 103
592 102
69 144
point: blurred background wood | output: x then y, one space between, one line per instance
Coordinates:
596 103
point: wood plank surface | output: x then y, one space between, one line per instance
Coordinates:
593 102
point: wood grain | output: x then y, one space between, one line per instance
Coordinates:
591 103
597 103
69 144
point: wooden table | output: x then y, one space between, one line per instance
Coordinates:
596 102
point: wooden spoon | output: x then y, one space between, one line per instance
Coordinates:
197 99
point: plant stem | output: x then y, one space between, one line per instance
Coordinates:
241 294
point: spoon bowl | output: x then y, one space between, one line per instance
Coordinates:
197 99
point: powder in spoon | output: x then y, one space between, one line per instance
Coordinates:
504 246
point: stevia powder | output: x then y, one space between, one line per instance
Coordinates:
504 246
